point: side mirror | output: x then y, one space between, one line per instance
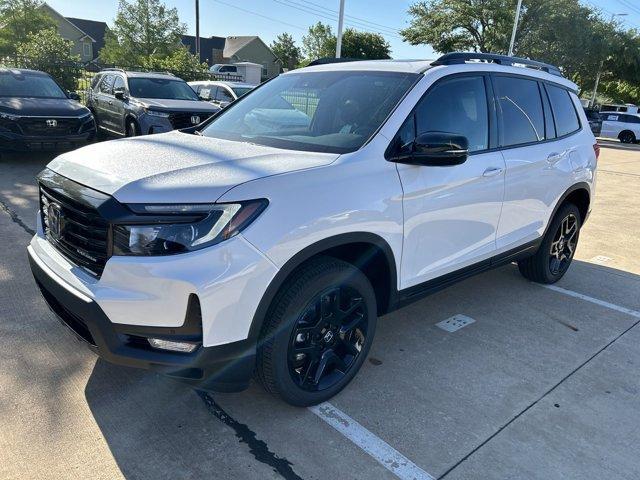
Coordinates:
119 93
436 149
73 96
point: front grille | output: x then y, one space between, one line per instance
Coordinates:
80 233
183 119
39 126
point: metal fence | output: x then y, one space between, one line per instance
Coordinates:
77 77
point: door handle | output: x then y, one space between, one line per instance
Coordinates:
555 157
110 102
492 171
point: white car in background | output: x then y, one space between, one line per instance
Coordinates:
220 93
621 125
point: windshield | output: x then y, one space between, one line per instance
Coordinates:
29 85
161 88
240 91
332 112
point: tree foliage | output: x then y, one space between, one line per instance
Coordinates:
181 63
142 30
284 47
49 52
19 19
566 33
321 42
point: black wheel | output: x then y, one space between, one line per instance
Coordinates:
132 128
555 254
317 333
627 137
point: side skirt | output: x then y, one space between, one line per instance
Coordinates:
417 292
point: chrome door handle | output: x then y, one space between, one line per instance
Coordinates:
492 171
554 157
110 102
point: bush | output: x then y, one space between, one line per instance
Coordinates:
49 52
182 64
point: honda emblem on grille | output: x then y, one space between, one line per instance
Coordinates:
55 219
195 119
52 122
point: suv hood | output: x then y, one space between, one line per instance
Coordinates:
50 107
177 105
177 167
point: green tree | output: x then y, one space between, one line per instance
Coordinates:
142 30
181 63
18 19
364 45
47 51
319 42
284 47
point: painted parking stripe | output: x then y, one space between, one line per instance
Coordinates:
380 450
602 303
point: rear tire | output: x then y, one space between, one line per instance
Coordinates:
323 316
554 256
627 137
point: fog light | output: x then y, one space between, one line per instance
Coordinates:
185 347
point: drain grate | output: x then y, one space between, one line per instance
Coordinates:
455 323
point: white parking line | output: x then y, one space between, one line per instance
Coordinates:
380 450
602 303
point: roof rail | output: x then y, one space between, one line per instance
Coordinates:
463 57
327 60
112 69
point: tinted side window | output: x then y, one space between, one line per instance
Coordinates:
633 119
564 112
107 84
522 120
458 106
223 96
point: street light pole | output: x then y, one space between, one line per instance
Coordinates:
595 87
198 29
515 27
340 22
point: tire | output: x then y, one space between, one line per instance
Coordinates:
627 137
132 128
553 258
298 335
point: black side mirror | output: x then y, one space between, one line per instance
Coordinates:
436 149
73 96
119 93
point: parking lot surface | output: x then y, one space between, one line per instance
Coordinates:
544 384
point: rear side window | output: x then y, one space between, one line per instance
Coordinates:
458 106
564 112
522 120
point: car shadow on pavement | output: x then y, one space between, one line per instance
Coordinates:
158 428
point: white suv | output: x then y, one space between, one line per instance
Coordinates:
261 246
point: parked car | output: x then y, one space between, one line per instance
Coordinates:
224 70
128 103
623 126
595 120
215 252
38 114
624 108
220 93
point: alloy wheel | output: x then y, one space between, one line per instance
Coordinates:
327 338
563 245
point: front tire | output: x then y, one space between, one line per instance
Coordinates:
132 128
553 258
317 333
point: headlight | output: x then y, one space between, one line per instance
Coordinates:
204 225
9 116
156 113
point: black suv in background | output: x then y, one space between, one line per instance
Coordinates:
139 103
38 114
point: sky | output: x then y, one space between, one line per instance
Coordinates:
268 18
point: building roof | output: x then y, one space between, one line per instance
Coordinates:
96 30
207 44
234 44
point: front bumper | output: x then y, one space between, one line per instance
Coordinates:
222 368
16 142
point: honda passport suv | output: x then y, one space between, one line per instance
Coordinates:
231 249
135 103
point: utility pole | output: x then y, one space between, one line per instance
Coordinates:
340 22
198 29
592 103
515 27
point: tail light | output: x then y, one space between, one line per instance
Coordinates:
596 149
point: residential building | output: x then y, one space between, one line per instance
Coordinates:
236 49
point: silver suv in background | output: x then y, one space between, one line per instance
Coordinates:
128 103
220 93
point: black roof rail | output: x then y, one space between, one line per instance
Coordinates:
463 57
327 60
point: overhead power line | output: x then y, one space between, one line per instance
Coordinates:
260 15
